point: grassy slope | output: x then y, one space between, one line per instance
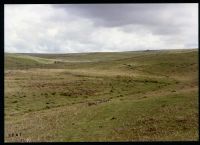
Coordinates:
102 96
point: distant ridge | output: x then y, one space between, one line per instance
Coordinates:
150 50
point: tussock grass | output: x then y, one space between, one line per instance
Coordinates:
127 96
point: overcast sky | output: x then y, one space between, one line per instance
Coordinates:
99 27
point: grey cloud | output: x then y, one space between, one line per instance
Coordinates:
160 18
115 14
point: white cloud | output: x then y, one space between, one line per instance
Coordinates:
72 28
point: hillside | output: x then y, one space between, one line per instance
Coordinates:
110 96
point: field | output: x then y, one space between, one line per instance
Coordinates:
119 96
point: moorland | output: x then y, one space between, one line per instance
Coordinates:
147 95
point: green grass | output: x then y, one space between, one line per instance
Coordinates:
124 96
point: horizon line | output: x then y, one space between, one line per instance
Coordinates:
102 51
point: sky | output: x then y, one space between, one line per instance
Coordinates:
76 28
